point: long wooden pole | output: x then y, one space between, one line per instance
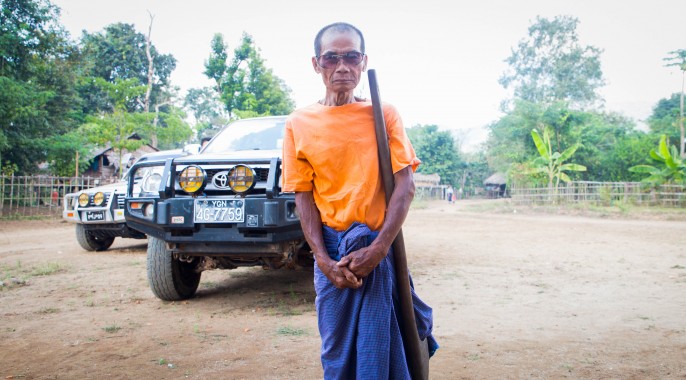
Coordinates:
417 359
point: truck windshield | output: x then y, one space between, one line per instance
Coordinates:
249 134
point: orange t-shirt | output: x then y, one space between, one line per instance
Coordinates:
332 152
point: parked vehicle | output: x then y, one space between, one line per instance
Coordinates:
98 212
222 208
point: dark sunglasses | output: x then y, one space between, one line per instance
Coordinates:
330 61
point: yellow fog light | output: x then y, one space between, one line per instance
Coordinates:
192 179
241 178
83 200
99 198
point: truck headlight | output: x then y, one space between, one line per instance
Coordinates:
192 179
83 200
151 182
241 179
146 180
99 198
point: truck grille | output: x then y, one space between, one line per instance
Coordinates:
261 174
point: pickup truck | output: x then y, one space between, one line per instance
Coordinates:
98 212
220 209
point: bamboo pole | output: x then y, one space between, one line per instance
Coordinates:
417 359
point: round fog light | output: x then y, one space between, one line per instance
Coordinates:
192 179
241 178
99 198
83 200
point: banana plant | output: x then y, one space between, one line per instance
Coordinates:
673 169
553 163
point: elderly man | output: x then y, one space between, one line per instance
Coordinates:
330 162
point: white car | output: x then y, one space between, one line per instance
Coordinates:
99 216
99 212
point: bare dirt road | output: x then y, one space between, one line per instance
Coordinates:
515 295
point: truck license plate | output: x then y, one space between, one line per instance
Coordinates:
92 216
219 211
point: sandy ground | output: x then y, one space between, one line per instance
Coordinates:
516 295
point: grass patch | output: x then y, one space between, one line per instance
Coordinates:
19 216
291 331
48 310
113 328
47 269
18 274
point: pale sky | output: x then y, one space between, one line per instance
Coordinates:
437 61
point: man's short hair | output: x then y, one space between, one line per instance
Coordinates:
336 27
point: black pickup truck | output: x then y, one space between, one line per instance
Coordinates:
220 209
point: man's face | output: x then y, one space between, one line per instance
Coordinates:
345 76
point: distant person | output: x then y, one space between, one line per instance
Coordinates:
204 141
330 161
449 194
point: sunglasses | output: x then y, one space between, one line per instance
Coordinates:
330 61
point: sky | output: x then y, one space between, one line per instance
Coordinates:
437 61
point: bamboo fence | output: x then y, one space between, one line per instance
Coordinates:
602 194
22 196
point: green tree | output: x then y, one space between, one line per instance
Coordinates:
673 169
206 111
678 58
551 65
119 53
62 153
113 129
551 162
438 152
171 129
247 87
664 118
37 76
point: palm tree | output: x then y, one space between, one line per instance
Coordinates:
678 58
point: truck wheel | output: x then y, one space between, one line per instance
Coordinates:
90 242
170 279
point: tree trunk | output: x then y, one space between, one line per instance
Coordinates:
151 68
681 116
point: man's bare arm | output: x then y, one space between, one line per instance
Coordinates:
363 261
311 223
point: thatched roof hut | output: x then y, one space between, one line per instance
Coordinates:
495 185
496 179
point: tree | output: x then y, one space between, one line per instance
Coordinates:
120 52
678 59
246 86
114 128
673 166
550 162
551 65
37 76
206 109
664 118
437 151
62 153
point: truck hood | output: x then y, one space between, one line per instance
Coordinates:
233 155
117 186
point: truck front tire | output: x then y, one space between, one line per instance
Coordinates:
90 242
170 279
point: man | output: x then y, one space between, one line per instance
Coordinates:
330 162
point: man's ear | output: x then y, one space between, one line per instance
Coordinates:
317 69
364 66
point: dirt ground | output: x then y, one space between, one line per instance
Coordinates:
516 294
